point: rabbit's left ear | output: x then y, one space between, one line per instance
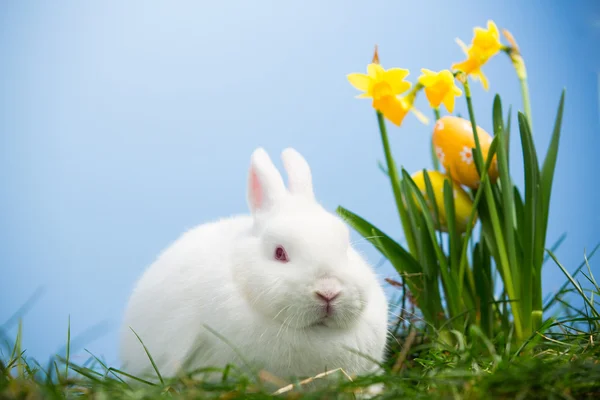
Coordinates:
265 185
298 171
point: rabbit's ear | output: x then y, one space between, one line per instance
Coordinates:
265 185
298 171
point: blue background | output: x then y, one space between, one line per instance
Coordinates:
123 124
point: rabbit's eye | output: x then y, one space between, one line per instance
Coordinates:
280 254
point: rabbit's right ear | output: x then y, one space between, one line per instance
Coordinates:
265 184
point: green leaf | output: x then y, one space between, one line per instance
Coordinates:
416 192
546 179
483 286
527 269
476 206
432 199
407 267
454 237
507 134
448 280
507 201
414 225
402 260
520 216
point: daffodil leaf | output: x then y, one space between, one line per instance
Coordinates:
451 222
507 134
448 280
483 286
432 199
547 174
506 200
532 178
414 224
405 263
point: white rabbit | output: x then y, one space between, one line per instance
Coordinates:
281 289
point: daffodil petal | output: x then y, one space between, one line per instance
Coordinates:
420 116
479 75
391 108
491 25
447 75
484 81
359 81
426 79
462 45
375 70
449 102
395 77
433 98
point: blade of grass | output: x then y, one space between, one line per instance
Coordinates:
20 313
577 270
160 378
591 275
575 285
68 348
555 246
106 368
135 378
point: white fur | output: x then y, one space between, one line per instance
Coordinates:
223 275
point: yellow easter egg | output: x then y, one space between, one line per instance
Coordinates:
453 141
462 201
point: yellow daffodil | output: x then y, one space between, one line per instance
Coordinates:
383 86
395 109
472 65
440 87
487 41
485 44
378 82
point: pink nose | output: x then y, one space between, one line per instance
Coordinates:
327 297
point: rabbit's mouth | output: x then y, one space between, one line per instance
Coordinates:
321 322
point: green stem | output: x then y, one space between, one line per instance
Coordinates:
525 96
503 263
436 162
394 179
519 64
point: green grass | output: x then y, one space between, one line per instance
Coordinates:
560 361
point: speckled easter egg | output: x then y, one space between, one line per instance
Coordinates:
462 201
453 141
